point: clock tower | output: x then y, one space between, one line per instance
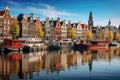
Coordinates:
90 21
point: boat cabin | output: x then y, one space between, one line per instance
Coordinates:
12 42
30 42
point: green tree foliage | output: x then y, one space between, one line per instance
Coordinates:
14 28
89 35
39 32
72 34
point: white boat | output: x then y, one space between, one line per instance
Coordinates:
114 43
30 42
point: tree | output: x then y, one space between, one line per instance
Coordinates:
14 28
39 32
110 35
88 35
117 36
72 34
101 34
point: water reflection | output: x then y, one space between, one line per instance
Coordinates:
25 66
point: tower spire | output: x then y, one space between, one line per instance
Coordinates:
90 21
109 23
90 16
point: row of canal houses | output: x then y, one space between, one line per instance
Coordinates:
53 29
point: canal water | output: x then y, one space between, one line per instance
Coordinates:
61 65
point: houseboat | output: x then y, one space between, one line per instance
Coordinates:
92 45
114 43
98 44
11 45
31 42
81 46
65 43
61 44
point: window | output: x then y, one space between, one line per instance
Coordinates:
4 27
5 21
8 22
1 21
8 28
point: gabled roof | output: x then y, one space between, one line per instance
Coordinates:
1 13
42 23
61 23
54 22
20 17
34 20
51 22
83 25
72 25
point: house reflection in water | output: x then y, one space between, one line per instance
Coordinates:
25 66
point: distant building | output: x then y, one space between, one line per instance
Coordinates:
69 27
23 23
51 30
74 27
109 25
63 30
5 22
119 28
84 31
31 27
113 28
37 25
95 31
57 30
79 31
90 21
47 30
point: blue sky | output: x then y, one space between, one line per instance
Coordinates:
74 10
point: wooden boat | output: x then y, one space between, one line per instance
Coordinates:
98 44
81 46
11 45
114 44
31 42
93 45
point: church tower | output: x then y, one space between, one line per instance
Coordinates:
109 23
90 21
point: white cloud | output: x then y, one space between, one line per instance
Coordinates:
47 6
11 2
49 11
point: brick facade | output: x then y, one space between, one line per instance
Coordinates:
5 22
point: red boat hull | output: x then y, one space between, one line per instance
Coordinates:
99 45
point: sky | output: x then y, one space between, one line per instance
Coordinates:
74 10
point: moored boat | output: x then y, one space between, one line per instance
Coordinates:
11 45
81 46
31 42
98 44
93 45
